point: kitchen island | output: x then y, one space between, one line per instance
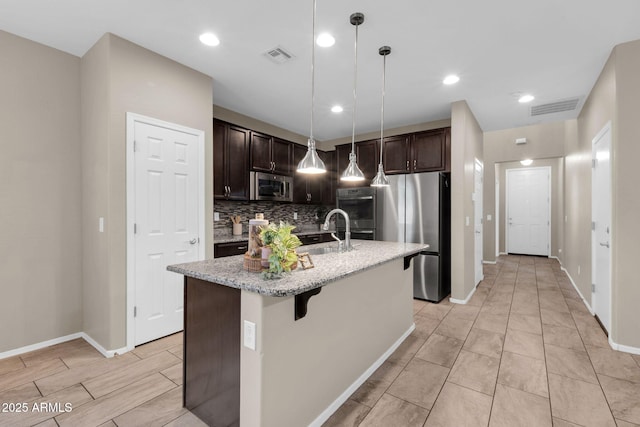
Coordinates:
289 352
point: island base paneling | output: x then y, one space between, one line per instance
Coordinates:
212 352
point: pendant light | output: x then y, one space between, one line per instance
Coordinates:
381 180
311 163
353 172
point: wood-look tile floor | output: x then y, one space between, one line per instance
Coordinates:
523 352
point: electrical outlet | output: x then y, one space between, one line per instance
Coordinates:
466 221
578 270
216 216
250 335
295 215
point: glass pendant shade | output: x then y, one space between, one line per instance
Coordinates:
311 163
380 180
352 172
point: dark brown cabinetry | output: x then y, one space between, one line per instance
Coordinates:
270 154
230 161
306 188
329 180
367 155
229 249
418 152
310 239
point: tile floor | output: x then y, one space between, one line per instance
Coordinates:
523 352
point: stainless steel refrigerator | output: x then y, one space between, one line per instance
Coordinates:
416 208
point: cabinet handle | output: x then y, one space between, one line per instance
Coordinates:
407 164
414 164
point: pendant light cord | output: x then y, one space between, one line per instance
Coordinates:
384 68
313 61
355 81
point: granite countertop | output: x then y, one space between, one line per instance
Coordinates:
328 268
244 237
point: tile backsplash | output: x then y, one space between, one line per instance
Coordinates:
308 215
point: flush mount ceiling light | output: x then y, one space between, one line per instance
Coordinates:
325 40
337 109
526 98
381 180
311 163
353 172
209 39
451 79
526 162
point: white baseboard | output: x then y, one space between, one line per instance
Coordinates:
101 349
489 262
324 416
464 301
584 301
38 346
502 253
621 347
59 340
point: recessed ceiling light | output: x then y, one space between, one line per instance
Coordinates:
209 39
325 40
526 98
451 79
336 109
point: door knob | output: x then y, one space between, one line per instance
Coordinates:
193 241
605 244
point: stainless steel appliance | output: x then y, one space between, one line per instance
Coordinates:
268 186
360 203
416 208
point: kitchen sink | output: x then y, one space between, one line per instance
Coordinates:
323 250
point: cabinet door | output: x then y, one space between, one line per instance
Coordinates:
395 156
219 142
281 152
229 249
314 188
299 179
237 164
329 178
428 151
368 156
260 152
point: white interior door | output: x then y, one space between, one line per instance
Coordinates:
528 211
477 206
601 227
167 226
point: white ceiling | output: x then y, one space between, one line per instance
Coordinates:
554 49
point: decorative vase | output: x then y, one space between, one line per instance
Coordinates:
265 254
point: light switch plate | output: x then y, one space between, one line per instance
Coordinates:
488 217
101 225
250 335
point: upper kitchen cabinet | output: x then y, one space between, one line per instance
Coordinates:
230 161
428 151
367 154
417 152
329 178
269 154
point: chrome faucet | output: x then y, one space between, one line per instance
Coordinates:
347 234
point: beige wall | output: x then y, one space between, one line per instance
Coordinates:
557 201
331 144
300 367
626 197
40 270
257 125
544 141
140 81
466 147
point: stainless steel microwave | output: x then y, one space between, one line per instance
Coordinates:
268 186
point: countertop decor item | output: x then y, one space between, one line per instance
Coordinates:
237 225
253 256
282 244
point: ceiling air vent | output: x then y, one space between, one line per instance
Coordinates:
278 55
555 107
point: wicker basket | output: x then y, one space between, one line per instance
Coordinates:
252 264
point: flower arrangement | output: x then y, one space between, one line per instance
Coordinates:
283 244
